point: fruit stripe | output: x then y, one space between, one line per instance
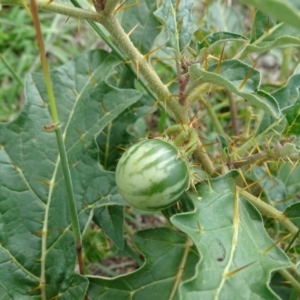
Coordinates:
157 163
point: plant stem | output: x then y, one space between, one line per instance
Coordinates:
110 6
111 23
115 50
203 157
269 211
255 140
113 26
291 279
259 158
214 119
60 144
285 66
57 7
184 137
233 114
292 241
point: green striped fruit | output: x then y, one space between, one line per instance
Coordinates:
151 175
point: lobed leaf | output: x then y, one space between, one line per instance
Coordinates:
169 259
237 254
240 79
36 241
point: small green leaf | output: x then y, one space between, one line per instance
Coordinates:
281 10
233 75
219 16
237 254
292 115
169 260
290 175
220 37
266 34
289 93
273 188
261 26
110 218
293 213
140 14
178 22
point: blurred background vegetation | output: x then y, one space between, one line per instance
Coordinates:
64 39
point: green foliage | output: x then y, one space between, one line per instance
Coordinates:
19 51
41 186
233 234
232 242
164 251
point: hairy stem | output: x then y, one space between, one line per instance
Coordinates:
184 137
97 28
259 158
269 211
57 7
110 6
113 26
203 157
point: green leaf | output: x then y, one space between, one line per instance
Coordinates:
141 14
281 10
231 76
76 288
266 34
293 213
273 188
36 241
169 259
289 175
178 22
261 26
113 139
237 254
284 291
219 16
289 101
110 218
214 39
292 115
289 93
3 294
